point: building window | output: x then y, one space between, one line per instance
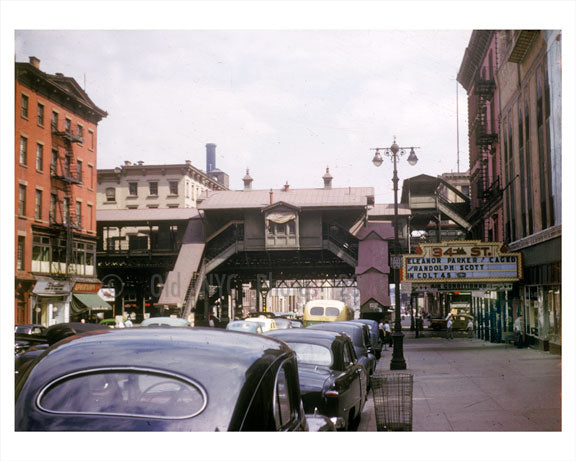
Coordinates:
153 188
91 176
41 254
20 256
54 121
24 106
39 157
90 211
22 200
40 114
91 140
53 200
79 214
66 218
54 162
68 126
23 150
79 170
173 187
133 189
38 205
80 132
110 194
67 162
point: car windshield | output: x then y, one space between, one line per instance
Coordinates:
312 354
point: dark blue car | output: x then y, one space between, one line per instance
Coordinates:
163 379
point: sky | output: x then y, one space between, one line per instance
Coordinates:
285 103
285 89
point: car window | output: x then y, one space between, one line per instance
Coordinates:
332 311
285 404
122 392
317 310
312 354
346 355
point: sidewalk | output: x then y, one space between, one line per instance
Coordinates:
474 385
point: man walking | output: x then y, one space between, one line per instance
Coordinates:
449 334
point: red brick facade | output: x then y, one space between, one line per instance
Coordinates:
55 165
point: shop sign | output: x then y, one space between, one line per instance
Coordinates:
52 288
461 261
465 286
83 287
107 294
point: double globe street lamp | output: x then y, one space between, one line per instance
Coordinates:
394 152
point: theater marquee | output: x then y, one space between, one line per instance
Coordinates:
462 260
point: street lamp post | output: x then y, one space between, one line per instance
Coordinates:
393 152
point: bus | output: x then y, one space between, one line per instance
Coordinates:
326 310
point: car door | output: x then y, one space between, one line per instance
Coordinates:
358 387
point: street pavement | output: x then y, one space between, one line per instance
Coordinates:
474 385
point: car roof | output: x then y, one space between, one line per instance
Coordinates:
184 350
303 334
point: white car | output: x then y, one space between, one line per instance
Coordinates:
266 323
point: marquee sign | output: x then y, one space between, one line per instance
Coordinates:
461 261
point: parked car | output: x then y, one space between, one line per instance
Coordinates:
358 335
282 323
266 323
29 329
332 381
165 322
375 340
246 327
52 335
159 379
296 324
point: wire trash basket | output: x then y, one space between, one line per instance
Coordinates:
393 400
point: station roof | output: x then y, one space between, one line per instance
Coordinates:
302 198
148 214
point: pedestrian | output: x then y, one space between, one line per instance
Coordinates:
470 328
419 326
518 329
449 334
387 333
211 322
381 331
128 323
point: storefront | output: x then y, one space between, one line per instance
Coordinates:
86 304
541 290
483 274
50 301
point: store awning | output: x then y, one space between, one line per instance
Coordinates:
84 301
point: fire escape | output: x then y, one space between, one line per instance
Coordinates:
65 176
485 139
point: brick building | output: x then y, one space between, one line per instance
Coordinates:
55 194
